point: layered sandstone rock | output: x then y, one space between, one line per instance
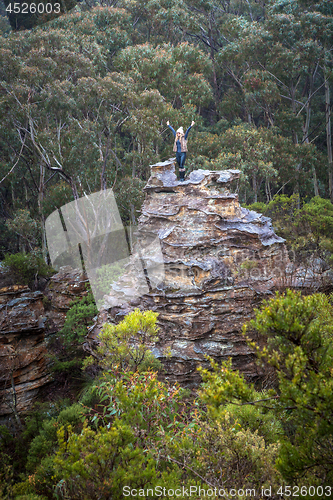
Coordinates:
26 318
220 260
23 367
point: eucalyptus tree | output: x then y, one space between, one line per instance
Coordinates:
169 83
59 108
26 15
274 72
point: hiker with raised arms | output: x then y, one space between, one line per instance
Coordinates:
180 147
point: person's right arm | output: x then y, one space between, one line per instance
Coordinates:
172 130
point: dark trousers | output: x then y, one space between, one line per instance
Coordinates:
181 157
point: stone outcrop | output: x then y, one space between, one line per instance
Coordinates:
23 366
26 319
220 260
64 287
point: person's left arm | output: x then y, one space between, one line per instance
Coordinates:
172 130
187 131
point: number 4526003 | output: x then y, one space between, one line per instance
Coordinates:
33 8
302 491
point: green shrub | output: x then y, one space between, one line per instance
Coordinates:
299 333
39 483
6 476
127 345
78 319
118 448
254 419
98 464
224 455
45 442
27 268
141 401
69 354
12 460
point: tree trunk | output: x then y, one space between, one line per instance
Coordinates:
255 188
268 191
306 127
14 403
293 107
212 58
329 137
40 209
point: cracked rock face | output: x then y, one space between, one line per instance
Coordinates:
220 260
23 363
24 324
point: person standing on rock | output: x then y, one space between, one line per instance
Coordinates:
180 147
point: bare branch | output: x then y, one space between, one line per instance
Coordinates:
290 99
310 97
19 156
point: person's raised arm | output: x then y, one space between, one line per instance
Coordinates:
187 131
172 130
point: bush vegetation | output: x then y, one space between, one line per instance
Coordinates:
307 226
66 349
128 428
127 345
26 268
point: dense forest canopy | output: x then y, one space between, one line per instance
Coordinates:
85 97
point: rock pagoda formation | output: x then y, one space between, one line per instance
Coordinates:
220 260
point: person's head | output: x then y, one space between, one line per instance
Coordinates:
179 132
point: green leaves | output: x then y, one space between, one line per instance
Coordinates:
223 385
299 336
101 462
176 72
127 344
119 443
307 228
26 268
66 351
78 319
297 333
